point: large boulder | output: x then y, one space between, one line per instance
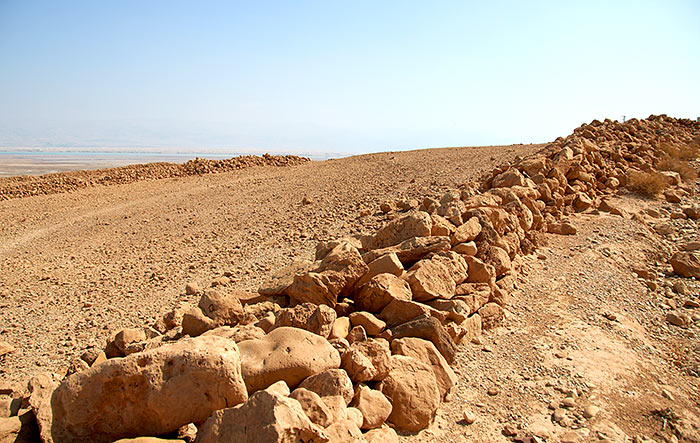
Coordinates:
308 316
468 231
413 393
409 225
288 354
381 290
266 417
225 309
686 264
426 352
150 393
386 264
430 329
335 276
430 279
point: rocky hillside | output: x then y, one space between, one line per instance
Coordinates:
361 344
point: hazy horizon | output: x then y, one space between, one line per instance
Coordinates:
333 77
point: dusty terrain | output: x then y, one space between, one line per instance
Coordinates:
580 325
76 266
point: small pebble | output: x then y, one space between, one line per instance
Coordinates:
590 411
492 390
469 417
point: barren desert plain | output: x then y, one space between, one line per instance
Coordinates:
523 293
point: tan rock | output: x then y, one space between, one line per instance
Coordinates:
355 415
340 329
337 407
430 279
468 248
368 360
499 259
511 177
386 264
454 309
192 288
411 250
313 406
491 315
479 272
380 290
374 405
441 226
413 392
314 318
237 333
471 327
42 388
475 295
224 308
150 393
454 263
409 225
280 279
265 417
371 324
288 354
427 328
10 429
561 228
385 434
330 382
336 276
357 334
686 264
402 311
195 323
345 431
426 352
467 232
679 319
149 440
121 340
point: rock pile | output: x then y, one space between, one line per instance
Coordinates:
25 186
359 343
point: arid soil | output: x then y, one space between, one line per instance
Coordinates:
585 353
76 266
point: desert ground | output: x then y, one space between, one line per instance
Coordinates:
585 351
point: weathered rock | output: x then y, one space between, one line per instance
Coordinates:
454 309
582 202
151 393
471 328
195 323
336 276
117 345
453 262
441 226
511 177
409 225
468 248
41 389
561 228
413 392
318 319
380 290
426 352
411 250
9 429
330 382
479 272
371 324
679 319
345 431
192 288
386 264
280 279
430 329
467 232
374 405
499 259
686 264
237 333
367 360
402 311
265 417
340 329
149 440
385 434
475 295
288 354
357 334
223 308
313 406
430 279
491 315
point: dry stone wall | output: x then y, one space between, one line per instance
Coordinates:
359 343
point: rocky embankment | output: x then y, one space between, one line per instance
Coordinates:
25 186
357 345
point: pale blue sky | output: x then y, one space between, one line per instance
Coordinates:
337 76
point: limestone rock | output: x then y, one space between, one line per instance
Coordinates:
195 323
374 405
385 434
330 382
237 333
411 250
467 232
511 177
314 318
491 315
367 360
224 308
344 431
409 225
265 417
386 264
313 406
371 324
340 329
150 393
288 354
426 352
428 328
413 392
402 311
430 279
380 290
